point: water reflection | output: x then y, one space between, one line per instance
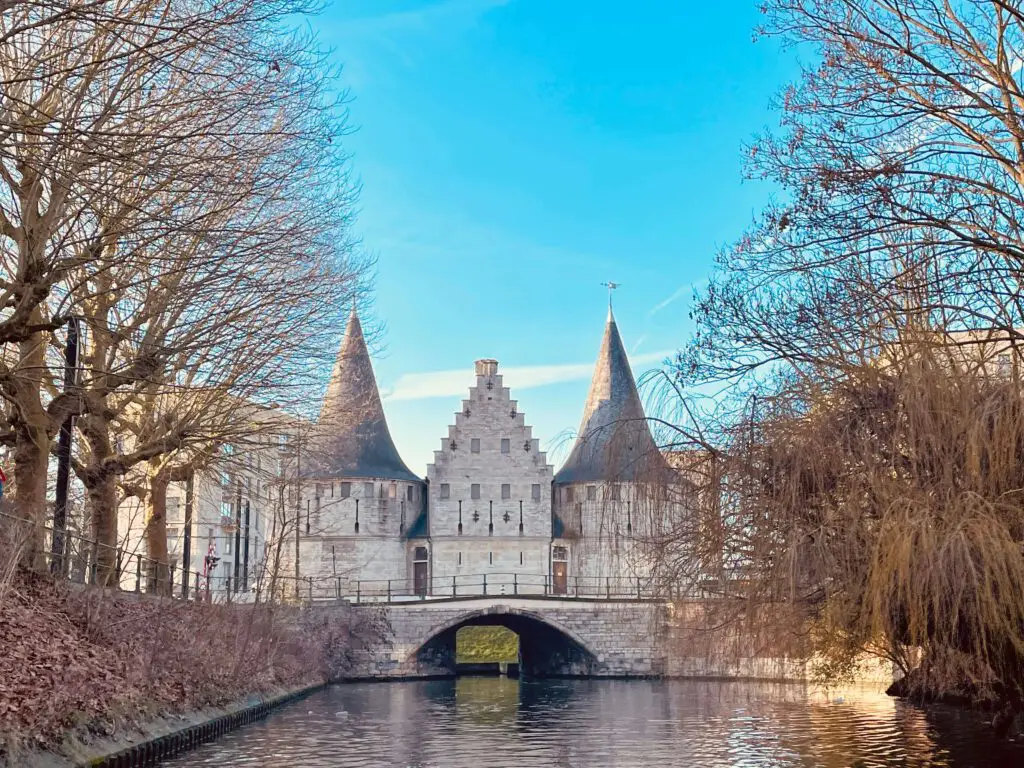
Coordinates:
488 722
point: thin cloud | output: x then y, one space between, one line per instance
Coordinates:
680 292
455 383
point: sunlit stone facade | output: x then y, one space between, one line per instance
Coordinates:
490 515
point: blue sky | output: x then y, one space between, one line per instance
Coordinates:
515 154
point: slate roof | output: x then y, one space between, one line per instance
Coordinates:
614 442
353 435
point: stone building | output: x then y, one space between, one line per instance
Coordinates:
222 521
490 517
489 501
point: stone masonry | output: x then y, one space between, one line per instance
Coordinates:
574 637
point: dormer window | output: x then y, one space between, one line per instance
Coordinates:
474 445
505 445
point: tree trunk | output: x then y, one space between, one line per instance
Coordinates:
31 454
157 570
102 494
31 449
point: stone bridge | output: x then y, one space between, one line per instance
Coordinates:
556 636
571 637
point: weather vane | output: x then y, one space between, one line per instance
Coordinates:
611 287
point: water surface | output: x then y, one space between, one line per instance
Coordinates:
491 722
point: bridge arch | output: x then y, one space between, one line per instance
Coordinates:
547 648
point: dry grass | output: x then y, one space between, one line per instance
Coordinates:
92 661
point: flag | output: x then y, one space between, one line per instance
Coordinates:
210 561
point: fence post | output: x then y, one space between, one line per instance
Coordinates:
138 572
310 581
337 587
485 583
453 586
170 578
577 586
359 585
195 595
608 587
227 592
95 565
389 590
515 584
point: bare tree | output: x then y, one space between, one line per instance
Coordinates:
865 470
171 174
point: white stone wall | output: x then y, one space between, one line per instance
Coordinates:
491 454
216 494
609 529
336 557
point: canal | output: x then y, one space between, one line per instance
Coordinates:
481 722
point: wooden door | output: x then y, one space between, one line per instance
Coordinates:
419 578
560 580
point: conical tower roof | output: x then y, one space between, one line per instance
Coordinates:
614 442
353 435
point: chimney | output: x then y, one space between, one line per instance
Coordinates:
486 367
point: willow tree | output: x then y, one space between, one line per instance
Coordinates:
864 481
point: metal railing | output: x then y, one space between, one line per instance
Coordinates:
511 585
83 560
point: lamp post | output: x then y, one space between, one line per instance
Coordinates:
60 507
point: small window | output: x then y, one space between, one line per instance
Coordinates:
474 491
568 493
446 491
535 491
506 445
506 491
227 544
560 553
408 493
393 491
420 554
460 558
490 558
616 493
346 490
520 558
591 493
367 490
474 445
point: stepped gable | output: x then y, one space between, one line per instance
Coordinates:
614 442
353 438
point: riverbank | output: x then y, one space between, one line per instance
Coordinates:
85 671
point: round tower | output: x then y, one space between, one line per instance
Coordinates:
610 494
364 508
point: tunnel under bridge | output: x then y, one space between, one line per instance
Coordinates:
557 638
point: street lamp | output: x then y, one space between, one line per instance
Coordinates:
60 507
